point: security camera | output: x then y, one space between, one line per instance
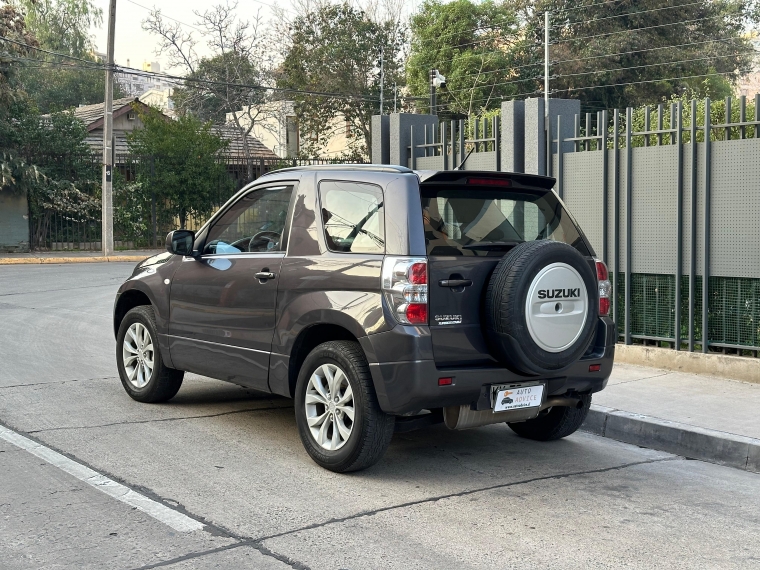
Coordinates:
438 79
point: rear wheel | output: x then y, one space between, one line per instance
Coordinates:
558 422
339 420
138 357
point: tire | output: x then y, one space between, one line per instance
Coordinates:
162 383
559 422
371 430
511 330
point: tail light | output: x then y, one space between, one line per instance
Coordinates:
405 286
605 287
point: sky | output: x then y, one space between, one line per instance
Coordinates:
133 43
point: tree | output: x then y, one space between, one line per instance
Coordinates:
225 84
335 50
15 173
477 46
62 26
187 173
633 52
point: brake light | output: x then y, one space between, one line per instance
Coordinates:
404 282
605 287
490 181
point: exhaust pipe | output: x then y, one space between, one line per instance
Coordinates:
463 417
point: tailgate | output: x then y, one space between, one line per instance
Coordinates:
470 224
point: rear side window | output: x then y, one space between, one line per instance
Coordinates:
352 216
464 220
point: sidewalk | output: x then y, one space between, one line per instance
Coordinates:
76 256
700 417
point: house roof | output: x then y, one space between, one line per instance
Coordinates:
234 135
92 117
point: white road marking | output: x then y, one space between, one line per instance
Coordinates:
162 513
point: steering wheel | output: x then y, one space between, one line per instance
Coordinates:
241 243
265 235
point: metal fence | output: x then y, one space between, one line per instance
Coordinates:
472 144
71 220
670 207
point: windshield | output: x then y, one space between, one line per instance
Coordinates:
463 220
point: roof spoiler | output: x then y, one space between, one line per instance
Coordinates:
453 176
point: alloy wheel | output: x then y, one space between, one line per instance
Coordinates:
138 355
329 407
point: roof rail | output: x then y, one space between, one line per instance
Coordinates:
362 167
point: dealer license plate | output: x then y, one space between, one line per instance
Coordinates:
517 397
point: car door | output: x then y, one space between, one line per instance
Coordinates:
223 303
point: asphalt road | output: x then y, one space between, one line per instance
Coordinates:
231 459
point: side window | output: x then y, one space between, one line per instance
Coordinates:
353 216
255 223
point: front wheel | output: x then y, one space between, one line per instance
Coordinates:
138 357
556 423
339 420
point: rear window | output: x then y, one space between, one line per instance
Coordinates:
465 220
352 214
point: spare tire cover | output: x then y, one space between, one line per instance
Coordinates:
541 307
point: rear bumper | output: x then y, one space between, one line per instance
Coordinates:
410 385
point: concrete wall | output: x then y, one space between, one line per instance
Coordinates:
14 222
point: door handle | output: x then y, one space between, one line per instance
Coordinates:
263 275
455 282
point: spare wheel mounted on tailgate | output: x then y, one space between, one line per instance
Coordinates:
541 307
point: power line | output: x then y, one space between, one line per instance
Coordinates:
165 16
133 71
642 66
638 29
487 85
7 39
643 50
591 5
573 89
595 20
256 87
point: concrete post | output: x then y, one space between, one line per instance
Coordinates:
380 153
535 133
400 134
513 136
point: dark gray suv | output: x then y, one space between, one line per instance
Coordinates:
381 299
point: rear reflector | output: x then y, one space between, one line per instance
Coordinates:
594 367
416 313
490 181
445 381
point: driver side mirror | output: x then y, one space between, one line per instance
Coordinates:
180 242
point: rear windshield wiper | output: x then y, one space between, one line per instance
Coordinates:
491 244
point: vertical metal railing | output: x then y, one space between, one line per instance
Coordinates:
703 311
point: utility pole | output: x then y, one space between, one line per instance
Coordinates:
107 193
433 101
382 79
395 96
547 120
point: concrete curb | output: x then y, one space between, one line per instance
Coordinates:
54 260
673 437
723 365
